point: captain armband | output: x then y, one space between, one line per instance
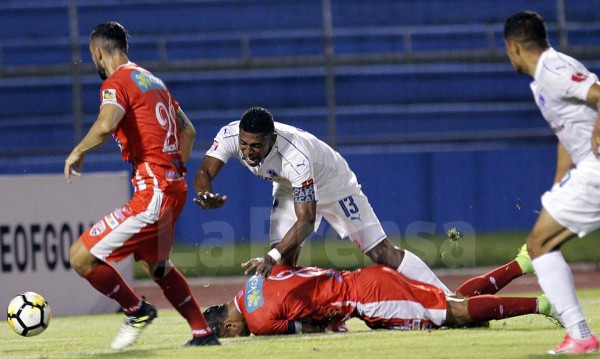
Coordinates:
306 193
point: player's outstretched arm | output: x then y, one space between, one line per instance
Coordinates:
306 212
208 170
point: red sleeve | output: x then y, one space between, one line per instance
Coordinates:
113 93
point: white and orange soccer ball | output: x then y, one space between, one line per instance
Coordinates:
28 314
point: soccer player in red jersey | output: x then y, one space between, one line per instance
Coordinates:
309 299
156 137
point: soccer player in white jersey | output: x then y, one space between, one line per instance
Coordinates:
567 94
310 181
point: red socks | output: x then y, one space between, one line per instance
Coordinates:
492 282
487 307
109 282
177 291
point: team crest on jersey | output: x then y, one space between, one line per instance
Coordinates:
109 96
254 293
98 228
271 172
542 102
146 81
579 77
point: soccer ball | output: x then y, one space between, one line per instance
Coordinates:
28 314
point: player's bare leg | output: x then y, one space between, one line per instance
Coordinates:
556 280
81 260
405 262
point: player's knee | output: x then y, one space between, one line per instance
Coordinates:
385 253
536 245
158 270
80 259
457 313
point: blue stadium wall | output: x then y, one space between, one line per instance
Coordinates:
490 188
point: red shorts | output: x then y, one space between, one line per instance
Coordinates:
143 227
389 300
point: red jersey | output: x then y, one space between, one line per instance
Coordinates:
380 296
149 130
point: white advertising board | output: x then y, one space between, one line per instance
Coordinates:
40 216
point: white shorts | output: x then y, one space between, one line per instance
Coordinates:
351 217
574 202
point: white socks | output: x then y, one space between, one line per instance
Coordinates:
414 268
556 280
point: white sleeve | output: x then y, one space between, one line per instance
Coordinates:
225 145
297 167
577 84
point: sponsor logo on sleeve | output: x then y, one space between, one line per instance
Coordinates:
214 146
109 96
579 77
254 293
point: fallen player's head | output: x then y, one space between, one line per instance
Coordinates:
226 321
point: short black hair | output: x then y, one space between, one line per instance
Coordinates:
215 317
528 28
257 120
113 34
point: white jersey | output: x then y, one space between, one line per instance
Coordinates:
560 89
297 158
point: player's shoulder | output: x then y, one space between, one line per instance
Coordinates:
288 129
231 129
290 134
556 66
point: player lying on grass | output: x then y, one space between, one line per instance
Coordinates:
309 299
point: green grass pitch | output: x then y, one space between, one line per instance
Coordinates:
90 336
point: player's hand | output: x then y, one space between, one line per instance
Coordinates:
251 265
74 160
265 267
596 138
207 200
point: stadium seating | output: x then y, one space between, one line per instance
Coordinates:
408 99
234 29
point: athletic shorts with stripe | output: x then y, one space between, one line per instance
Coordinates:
145 225
352 217
389 300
